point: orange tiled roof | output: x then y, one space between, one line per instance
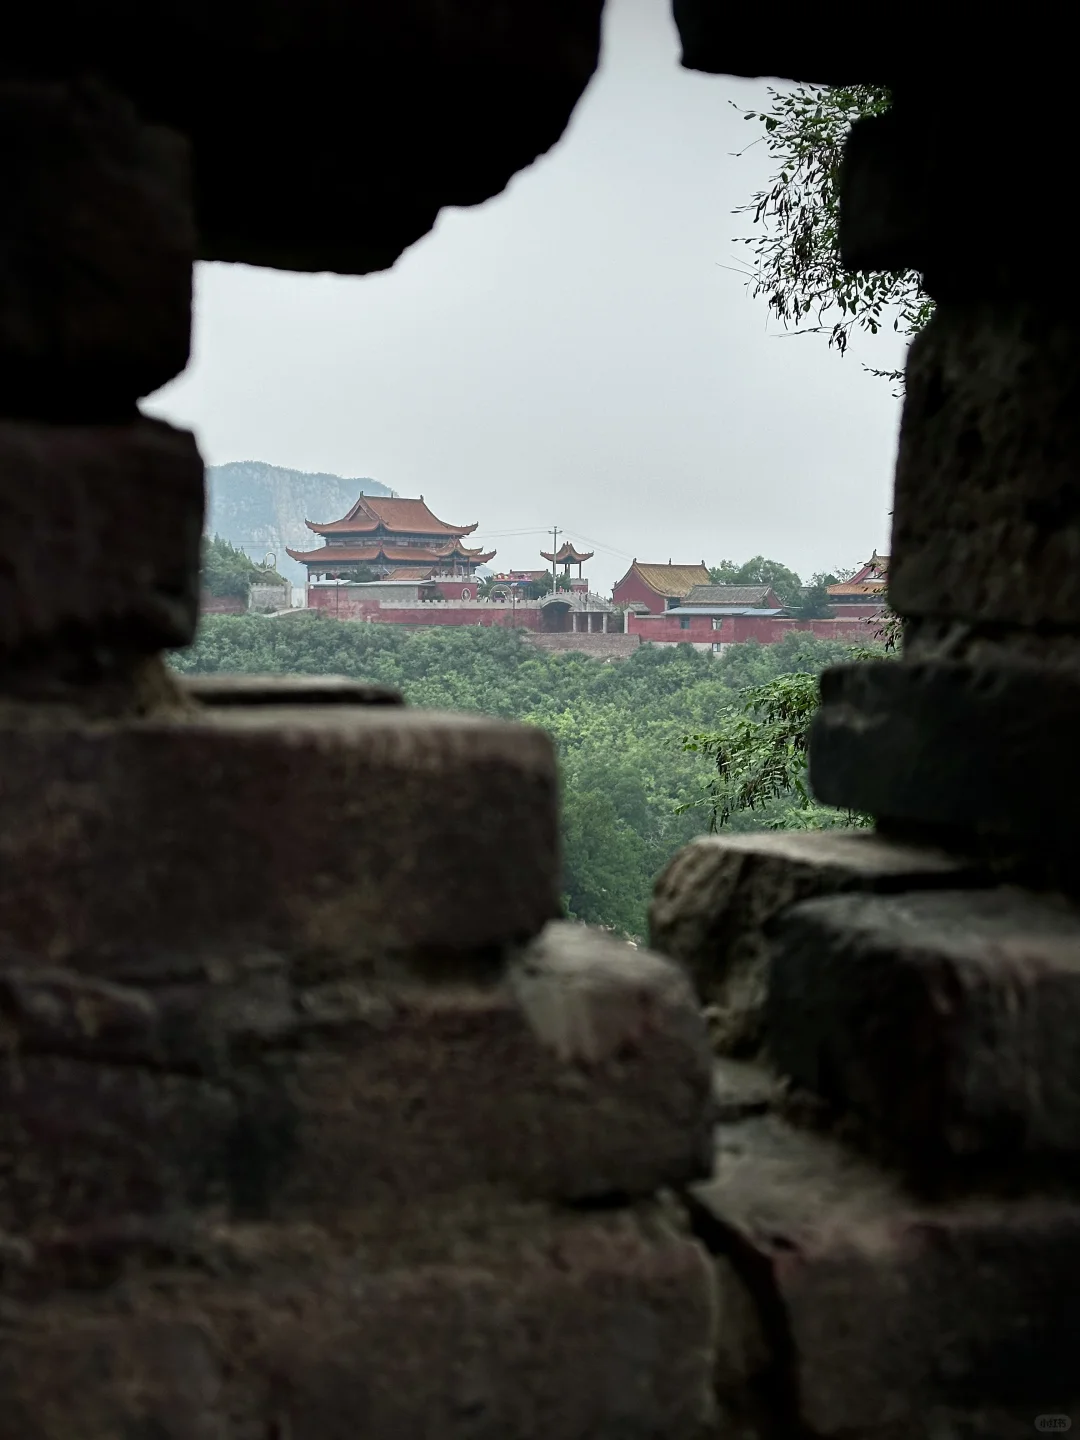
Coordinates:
377 512
863 587
332 555
566 552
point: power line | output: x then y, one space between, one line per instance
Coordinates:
609 549
509 534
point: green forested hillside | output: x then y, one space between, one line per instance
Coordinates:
617 727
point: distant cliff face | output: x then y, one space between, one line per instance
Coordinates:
259 507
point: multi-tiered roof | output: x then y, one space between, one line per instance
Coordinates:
399 539
866 586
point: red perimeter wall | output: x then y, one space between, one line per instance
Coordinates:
341 605
663 629
736 629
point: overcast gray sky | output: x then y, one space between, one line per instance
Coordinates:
571 353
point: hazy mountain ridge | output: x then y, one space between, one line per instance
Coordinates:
259 507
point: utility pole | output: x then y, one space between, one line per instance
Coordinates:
554 552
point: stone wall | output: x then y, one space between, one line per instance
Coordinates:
313 1123
901 1006
316 1122
222 604
270 597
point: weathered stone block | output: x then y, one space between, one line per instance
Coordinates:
95 254
222 690
151 1097
986 525
885 200
564 1328
89 1377
944 1020
193 1027
82 1140
742 1088
69 496
460 96
587 1329
713 905
339 837
893 1317
950 744
586 1076
740 45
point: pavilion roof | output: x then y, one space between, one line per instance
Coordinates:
567 552
379 512
376 550
671 581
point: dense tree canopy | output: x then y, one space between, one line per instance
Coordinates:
808 601
629 786
759 571
758 757
226 570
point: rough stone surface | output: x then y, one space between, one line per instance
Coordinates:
565 1328
884 196
95 253
954 745
393 111
989 645
584 1075
99 536
891 1318
133 1140
929 186
944 1020
110 1376
227 690
714 904
722 43
986 525
590 1094
741 1088
339 837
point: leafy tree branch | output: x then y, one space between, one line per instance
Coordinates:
794 256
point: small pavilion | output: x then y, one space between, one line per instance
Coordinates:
567 555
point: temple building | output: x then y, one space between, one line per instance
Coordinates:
399 540
567 555
863 596
659 587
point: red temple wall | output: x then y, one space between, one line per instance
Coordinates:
341 605
632 588
665 629
736 629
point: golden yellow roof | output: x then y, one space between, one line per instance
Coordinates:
672 581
